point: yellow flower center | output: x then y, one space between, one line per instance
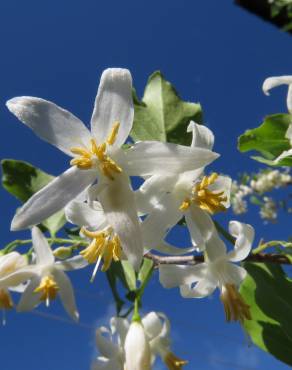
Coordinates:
206 199
6 302
88 158
173 362
105 245
48 289
234 306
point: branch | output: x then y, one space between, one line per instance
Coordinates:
193 260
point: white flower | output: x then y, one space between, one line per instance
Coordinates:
95 154
49 279
268 211
217 271
157 328
167 197
137 348
98 154
13 272
112 354
88 213
144 342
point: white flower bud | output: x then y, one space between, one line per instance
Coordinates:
137 349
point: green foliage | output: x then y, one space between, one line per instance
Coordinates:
268 139
161 114
269 293
22 180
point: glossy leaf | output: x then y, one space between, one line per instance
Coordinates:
268 140
22 180
269 293
161 114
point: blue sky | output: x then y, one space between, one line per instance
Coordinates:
214 53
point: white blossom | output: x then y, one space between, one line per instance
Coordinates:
218 270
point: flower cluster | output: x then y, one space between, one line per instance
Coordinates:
255 187
135 345
117 223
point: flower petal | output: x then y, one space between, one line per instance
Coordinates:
156 225
171 276
285 154
288 134
66 293
154 157
82 214
52 197
112 364
18 277
202 136
244 235
104 345
152 325
121 327
113 103
150 192
236 274
272 82
200 225
202 289
50 122
74 263
223 183
167 248
215 248
118 202
29 299
44 254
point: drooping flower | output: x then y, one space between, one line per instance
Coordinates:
135 346
49 279
167 198
218 270
98 154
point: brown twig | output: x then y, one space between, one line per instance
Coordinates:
193 260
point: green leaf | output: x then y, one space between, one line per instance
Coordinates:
22 180
161 114
268 139
269 293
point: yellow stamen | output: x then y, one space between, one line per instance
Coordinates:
205 198
97 156
105 245
185 204
113 134
209 200
6 302
48 289
234 306
173 362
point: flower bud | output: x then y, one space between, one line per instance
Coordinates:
63 252
137 349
